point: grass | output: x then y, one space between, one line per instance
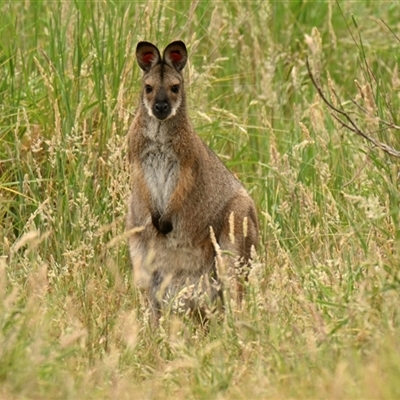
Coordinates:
320 317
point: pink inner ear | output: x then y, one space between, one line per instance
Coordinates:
148 57
175 56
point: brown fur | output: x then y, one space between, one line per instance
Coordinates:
180 190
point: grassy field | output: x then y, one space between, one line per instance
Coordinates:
321 314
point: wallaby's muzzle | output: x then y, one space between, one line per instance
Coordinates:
161 109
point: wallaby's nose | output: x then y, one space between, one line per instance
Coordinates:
161 106
161 109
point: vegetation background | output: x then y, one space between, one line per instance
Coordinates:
321 314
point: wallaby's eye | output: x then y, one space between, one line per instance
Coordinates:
148 88
175 89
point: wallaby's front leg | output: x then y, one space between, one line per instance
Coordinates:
145 195
161 224
176 201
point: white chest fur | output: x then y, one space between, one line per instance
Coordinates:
160 167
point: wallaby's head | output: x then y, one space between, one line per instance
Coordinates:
163 91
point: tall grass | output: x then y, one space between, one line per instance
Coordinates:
320 317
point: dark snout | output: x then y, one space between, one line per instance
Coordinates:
161 109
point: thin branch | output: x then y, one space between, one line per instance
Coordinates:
347 121
389 125
391 30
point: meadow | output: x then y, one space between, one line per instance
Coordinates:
320 318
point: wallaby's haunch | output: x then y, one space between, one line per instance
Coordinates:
180 191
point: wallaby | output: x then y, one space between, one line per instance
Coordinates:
181 193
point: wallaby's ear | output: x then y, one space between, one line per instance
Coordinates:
175 55
147 55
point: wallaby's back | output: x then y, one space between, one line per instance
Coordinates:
180 190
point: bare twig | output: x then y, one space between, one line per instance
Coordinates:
344 118
391 30
389 125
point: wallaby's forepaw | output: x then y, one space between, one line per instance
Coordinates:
165 226
162 225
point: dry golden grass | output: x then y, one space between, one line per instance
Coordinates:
320 317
